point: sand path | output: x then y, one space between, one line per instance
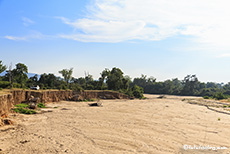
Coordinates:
153 126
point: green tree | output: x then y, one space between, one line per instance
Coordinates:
138 91
115 79
2 67
191 85
20 74
67 74
32 81
104 76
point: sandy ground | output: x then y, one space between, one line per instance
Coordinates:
153 126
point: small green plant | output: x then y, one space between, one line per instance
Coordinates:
205 97
225 106
24 110
218 119
55 107
41 105
22 105
0 88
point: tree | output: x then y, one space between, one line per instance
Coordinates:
191 85
104 76
32 81
115 78
67 74
20 73
2 67
138 91
50 81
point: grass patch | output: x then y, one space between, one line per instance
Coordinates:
22 105
24 110
41 105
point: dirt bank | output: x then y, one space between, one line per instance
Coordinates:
46 96
151 126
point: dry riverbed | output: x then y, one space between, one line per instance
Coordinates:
151 126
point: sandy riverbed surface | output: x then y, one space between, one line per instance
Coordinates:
151 126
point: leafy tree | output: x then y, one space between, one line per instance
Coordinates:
191 85
104 76
81 81
137 91
115 78
50 81
20 73
32 81
2 67
67 74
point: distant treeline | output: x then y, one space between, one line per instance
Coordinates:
113 79
109 80
189 86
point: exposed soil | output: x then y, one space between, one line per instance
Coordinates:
153 126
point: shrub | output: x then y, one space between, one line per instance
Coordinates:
24 110
138 92
41 105
22 105
205 97
219 96
4 84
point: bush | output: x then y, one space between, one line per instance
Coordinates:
41 105
24 110
205 97
138 92
4 84
220 96
22 105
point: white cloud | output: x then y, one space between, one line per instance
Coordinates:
15 38
27 21
208 21
32 35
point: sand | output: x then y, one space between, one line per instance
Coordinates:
151 126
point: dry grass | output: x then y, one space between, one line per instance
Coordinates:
5 91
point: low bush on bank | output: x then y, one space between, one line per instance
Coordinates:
219 96
206 97
24 109
41 105
22 105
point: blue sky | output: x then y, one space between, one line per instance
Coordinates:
161 38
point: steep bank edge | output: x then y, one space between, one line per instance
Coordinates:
18 96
